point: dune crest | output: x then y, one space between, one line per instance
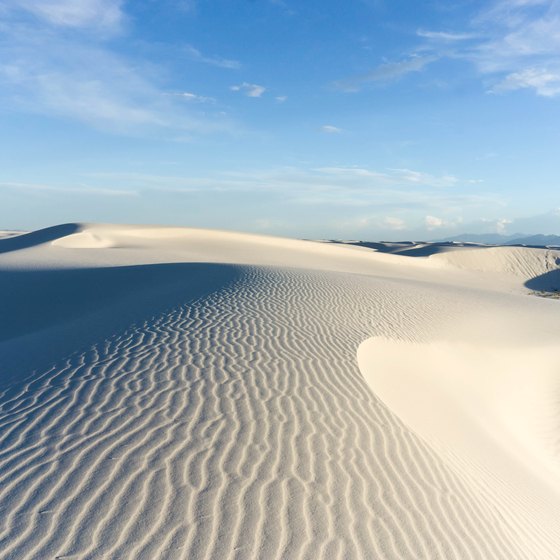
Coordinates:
83 240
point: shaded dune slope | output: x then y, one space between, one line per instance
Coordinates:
43 298
220 413
38 237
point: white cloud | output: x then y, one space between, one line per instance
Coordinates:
85 83
432 222
445 35
420 178
281 98
395 224
521 46
547 223
78 76
189 96
519 37
101 14
512 44
542 80
329 129
512 12
196 55
250 90
394 70
501 225
350 172
395 176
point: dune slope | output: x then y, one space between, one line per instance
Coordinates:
214 406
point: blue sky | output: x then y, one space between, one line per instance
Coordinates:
362 119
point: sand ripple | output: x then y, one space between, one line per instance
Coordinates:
237 426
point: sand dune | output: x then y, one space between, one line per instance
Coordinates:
180 393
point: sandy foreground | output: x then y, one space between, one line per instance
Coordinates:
187 394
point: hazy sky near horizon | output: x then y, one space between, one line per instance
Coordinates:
360 119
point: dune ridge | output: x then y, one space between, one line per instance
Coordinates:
222 412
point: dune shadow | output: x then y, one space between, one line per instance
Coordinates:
38 237
47 314
34 299
380 247
548 282
426 251
405 248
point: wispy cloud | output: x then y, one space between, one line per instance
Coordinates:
518 33
197 56
330 129
346 201
250 90
420 178
433 223
515 45
512 44
82 82
446 36
83 190
542 80
99 14
394 176
388 72
339 186
195 98
394 224
353 172
45 69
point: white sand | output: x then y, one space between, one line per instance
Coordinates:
179 393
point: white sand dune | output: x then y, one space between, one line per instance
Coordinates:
188 394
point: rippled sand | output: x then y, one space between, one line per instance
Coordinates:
177 393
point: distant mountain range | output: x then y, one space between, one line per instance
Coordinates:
538 240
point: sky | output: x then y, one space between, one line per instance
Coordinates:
363 119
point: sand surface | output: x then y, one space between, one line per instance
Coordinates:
188 394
